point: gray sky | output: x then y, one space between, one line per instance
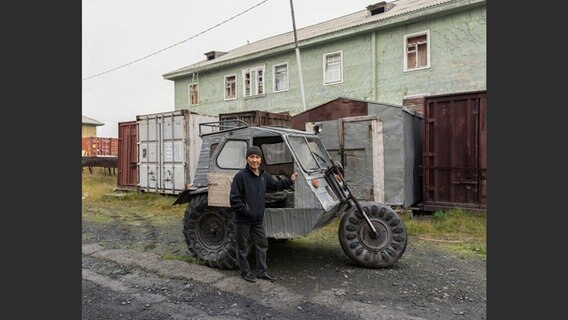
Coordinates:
117 32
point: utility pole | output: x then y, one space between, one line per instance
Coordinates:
298 56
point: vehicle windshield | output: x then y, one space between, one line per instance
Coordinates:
310 152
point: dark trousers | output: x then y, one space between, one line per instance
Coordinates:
247 234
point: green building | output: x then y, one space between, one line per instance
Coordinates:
392 52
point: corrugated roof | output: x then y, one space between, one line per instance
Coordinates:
355 19
87 120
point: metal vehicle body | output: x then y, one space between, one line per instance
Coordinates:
371 234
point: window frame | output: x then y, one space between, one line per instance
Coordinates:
325 56
225 87
239 158
254 91
189 94
274 77
405 50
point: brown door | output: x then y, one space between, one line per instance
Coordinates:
127 154
455 158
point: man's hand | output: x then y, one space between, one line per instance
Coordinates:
293 177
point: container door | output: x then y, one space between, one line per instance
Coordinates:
172 161
455 143
363 161
148 154
127 155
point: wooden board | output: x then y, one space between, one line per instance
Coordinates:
219 188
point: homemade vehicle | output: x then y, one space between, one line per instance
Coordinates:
371 234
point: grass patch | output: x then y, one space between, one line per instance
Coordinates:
455 230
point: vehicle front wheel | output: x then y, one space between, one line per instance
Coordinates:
210 233
361 246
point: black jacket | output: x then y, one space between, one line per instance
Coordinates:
248 194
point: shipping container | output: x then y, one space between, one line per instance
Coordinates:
259 118
380 152
99 146
455 151
168 149
127 177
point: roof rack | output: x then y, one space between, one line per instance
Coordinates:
206 128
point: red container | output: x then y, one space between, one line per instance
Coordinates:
455 151
98 146
127 176
259 118
331 110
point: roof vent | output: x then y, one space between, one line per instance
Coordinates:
378 8
213 54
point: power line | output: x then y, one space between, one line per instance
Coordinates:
175 44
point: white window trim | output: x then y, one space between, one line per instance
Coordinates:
274 77
405 48
225 86
340 67
189 94
254 91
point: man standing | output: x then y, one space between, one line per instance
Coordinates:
248 201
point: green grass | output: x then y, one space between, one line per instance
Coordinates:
455 230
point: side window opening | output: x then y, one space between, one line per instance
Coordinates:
232 156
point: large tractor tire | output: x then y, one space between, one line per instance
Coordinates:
210 233
357 241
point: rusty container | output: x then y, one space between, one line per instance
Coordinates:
99 146
127 176
259 118
455 151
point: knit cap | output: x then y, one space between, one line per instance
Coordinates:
253 150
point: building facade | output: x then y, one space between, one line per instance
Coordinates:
394 52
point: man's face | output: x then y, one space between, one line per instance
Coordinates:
254 161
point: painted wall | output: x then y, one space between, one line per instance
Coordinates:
458 60
88 131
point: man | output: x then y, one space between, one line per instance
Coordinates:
248 200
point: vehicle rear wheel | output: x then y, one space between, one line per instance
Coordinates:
210 233
357 241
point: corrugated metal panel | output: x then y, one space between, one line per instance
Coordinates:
98 146
258 118
168 150
285 223
127 176
455 143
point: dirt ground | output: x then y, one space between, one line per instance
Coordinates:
127 275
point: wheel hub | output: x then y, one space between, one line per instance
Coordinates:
211 230
374 242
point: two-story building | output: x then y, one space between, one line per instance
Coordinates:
394 52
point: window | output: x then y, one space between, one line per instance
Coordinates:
231 87
193 94
233 155
332 68
417 51
276 153
280 77
253 81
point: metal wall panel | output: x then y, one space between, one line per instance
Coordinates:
127 176
455 143
394 151
168 150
